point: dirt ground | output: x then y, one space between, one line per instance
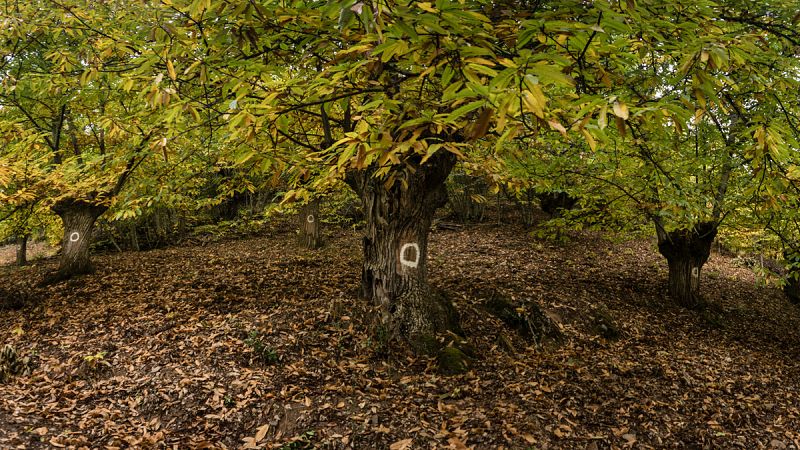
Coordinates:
253 343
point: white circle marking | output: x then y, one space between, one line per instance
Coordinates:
408 262
310 218
74 237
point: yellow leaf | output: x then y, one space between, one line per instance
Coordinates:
602 118
171 70
426 6
698 114
507 63
621 110
700 98
535 100
589 139
481 61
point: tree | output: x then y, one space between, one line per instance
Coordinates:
21 189
316 78
691 137
389 96
62 81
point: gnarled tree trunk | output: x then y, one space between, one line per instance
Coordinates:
78 218
686 250
22 250
394 276
308 219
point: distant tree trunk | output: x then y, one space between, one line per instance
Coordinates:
309 225
792 287
394 276
22 249
686 250
133 237
78 218
554 202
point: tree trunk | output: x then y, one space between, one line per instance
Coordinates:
686 252
394 276
22 250
554 203
309 225
133 237
792 278
78 218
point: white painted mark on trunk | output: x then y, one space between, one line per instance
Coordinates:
412 261
695 272
310 218
74 237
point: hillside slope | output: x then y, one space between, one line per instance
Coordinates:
253 342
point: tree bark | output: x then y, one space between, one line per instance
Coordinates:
686 250
394 276
133 237
22 250
309 225
792 287
78 218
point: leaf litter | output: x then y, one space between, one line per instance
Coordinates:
253 343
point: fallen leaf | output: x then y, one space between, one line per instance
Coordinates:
402 445
261 432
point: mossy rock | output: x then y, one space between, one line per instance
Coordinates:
713 316
425 344
453 361
528 320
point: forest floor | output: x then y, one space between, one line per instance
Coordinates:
253 343
36 250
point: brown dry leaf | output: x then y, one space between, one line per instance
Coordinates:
404 444
173 322
261 432
456 444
